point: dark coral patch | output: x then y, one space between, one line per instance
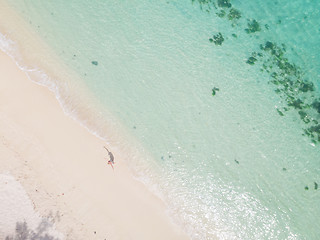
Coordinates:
221 14
304 116
217 39
268 46
316 105
251 60
296 103
306 87
253 26
234 14
224 3
296 92
291 85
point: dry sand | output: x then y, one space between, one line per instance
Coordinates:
63 170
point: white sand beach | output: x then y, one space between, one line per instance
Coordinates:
64 172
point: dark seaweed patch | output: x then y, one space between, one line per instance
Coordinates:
95 63
214 91
280 112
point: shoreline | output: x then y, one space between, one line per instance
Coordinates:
233 153
62 168
43 70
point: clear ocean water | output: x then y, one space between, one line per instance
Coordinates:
223 95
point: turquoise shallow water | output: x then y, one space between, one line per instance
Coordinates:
223 95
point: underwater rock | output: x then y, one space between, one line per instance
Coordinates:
253 26
95 63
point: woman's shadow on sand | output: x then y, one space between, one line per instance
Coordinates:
23 232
